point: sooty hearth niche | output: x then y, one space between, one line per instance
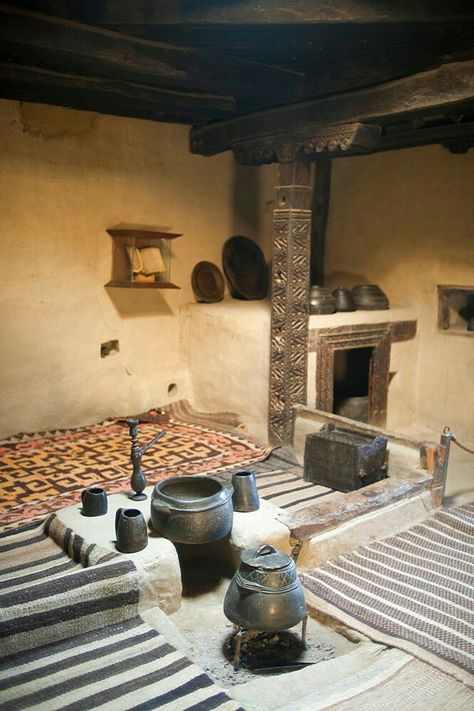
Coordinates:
353 368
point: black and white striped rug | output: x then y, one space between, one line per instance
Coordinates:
413 591
71 637
280 481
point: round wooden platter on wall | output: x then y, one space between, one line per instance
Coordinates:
245 269
207 283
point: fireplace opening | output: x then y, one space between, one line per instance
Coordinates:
351 383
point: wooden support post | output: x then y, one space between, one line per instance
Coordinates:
432 458
320 211
290 291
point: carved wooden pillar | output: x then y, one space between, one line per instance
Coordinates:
292 248
290 291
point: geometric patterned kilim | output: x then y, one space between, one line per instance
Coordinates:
42 472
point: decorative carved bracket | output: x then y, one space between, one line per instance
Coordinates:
345 139
348 138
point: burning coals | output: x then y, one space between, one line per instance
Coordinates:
261 651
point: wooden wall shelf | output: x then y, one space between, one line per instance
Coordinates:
151 268
123 284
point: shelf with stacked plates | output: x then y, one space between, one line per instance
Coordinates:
141 258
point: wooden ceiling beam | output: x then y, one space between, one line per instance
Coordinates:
24 83
443 134
33 38
447 88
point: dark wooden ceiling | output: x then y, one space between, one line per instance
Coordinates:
236 69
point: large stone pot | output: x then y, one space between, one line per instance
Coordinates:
265 593
192 509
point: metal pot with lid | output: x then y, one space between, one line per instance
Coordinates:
265 592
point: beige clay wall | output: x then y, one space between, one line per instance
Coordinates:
405 220
66 177
400 219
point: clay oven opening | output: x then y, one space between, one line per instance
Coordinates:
353 361
351 384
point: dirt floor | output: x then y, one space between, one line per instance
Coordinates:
211 636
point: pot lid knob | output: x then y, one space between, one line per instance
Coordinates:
267 557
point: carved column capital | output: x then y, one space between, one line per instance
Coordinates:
311 141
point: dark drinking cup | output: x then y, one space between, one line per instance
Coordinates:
94 501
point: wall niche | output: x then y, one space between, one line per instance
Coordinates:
456 310
141 258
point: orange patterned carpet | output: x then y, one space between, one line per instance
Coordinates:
43 472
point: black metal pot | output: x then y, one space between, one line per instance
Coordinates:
369 297
321 301
192 509
344 299
265 593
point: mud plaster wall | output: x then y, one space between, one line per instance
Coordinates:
404 220
67 176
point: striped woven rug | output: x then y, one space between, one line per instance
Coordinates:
71 637
280 481
413 591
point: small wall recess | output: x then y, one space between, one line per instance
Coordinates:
108 348
456 310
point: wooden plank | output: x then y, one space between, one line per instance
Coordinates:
107 96
449 87
339 508
247 12
321 417
59 44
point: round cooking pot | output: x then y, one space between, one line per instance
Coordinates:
321 301
192 509
265 592
344 299
369 297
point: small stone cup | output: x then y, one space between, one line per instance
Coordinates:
131 530
245 497
94 501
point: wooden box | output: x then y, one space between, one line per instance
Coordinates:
344 460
